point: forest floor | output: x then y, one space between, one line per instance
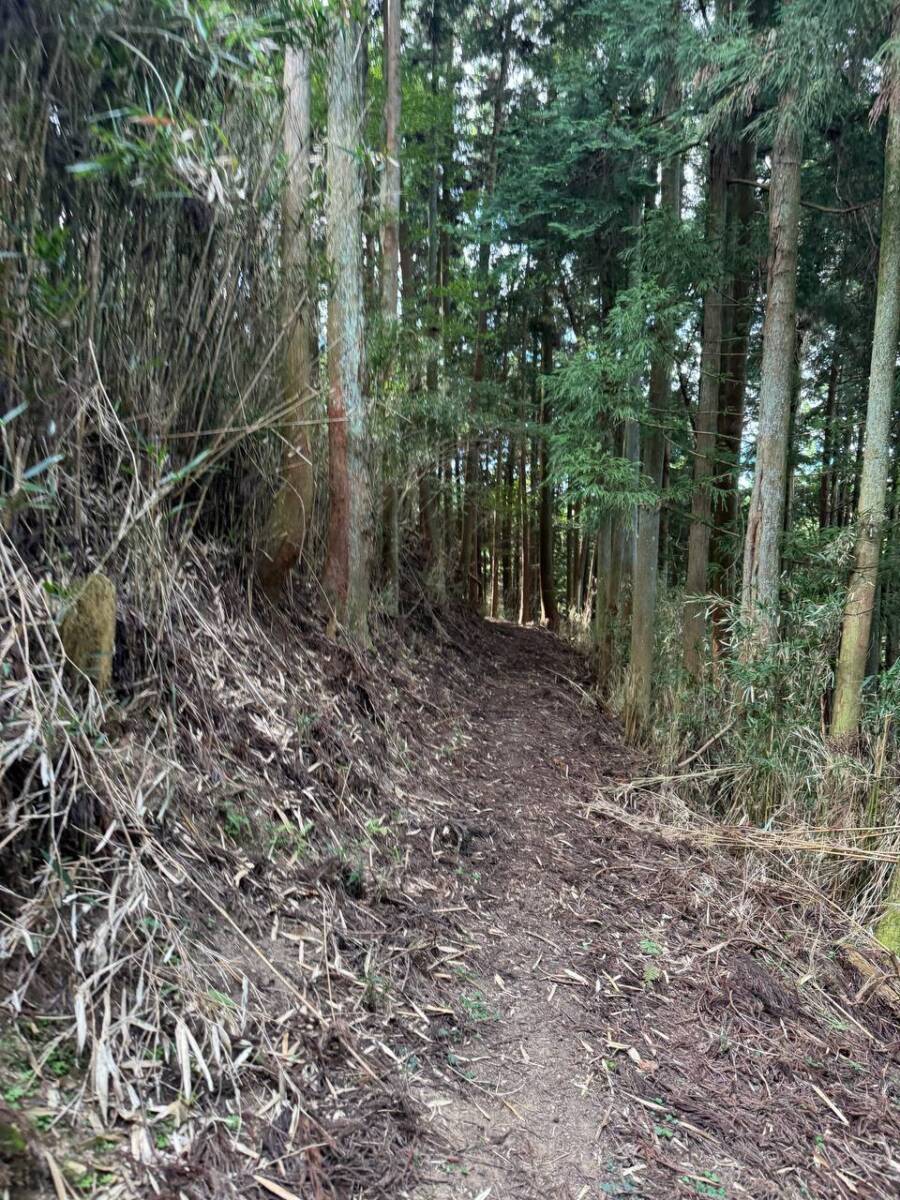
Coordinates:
413 927
646 1017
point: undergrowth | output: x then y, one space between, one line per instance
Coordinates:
750 747
204 880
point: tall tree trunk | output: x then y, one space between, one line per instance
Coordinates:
506 566
602 633
549 606
646 563
892 591
825 479
390 183
391 493
610 594
495 535
888 929
534 534
390 266
429 496
525 600
707 422
589 546
646 557
585 568
843 474
630 522
477 599
469 523
426 514
762 550
631 452
448 512
525 518
792 426
852 494
484 264
576 552
407 272
873 656
665 520
570 559
349 536
855 631
284 533
725 547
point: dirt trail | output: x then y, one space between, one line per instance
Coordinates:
633 1018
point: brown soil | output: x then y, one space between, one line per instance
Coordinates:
632 1017
411 961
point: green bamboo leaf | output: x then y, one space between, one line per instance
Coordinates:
88 167
12 414
44 465
182 472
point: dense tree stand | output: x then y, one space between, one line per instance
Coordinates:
450 599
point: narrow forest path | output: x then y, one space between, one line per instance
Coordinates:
638 1018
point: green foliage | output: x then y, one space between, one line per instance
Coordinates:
601 387
291 839
235 821
811 53
476 1008
708 1184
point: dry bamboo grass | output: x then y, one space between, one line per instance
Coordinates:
205 876
193 874
803 839
847 866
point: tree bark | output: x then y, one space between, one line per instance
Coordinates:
602 633
856 628
584 568
762 550
549 608
646 557
891 600
646 561
610 594
524 509
846 476
525 573
706 424
792 455
390 267
825 480
434 543
570 559
349 536
631 452
484 264
284 533
390 183
506 564
495 536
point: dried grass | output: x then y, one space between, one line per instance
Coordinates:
205 892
